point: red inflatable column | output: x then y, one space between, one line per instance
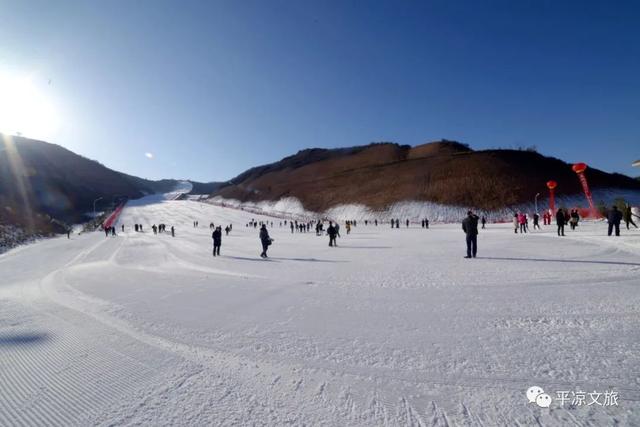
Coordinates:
579 169
551 185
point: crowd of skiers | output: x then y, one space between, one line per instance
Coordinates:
470 223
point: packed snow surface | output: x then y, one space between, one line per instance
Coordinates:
392 327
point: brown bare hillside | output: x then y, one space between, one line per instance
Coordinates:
445 172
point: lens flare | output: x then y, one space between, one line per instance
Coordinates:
25 110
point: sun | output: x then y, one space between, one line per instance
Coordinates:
25 109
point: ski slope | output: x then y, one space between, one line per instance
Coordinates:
392 327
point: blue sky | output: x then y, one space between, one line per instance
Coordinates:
212 88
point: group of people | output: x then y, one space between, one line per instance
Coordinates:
161 228
520 222
108 231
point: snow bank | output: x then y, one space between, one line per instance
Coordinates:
12 236
291 207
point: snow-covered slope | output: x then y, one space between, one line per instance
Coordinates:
392 327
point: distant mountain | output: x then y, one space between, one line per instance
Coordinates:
445 172
40 181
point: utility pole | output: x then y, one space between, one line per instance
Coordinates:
94 206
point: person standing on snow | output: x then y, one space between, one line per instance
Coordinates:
522 220
483 221
536 219
265 240
470 228
217 240
614 216
331 231
560 219
515 222
173 231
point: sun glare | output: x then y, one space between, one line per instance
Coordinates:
25 109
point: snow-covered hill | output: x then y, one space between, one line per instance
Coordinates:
415 211
392 327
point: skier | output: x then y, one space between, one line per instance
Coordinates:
155 229
135 227
574 218
522 219
226 230
614 216
217 240
407 223
560 222
536 218
331 231
348 227
376 222
123 228
113 231
68 233
470 228
422 223
484 221
515 222
627 215
106 231
265 240
426 222
173 231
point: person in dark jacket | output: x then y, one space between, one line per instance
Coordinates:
470 228
484 221
560 219
536 221
265 240
628 217
217 240
173 231
332 232
614 216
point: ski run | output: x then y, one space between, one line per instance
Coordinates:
393 327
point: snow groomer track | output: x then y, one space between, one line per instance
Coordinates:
392 327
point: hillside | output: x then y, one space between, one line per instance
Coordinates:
40 181
445 172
